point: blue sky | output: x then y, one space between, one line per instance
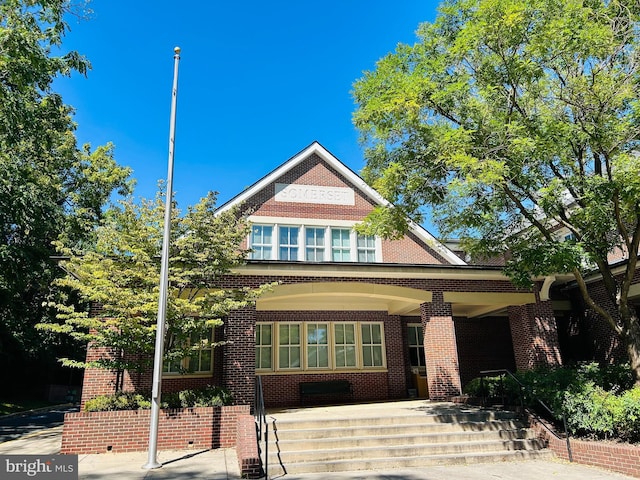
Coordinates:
258 82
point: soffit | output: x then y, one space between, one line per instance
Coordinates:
344 296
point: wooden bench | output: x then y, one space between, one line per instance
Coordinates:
327 387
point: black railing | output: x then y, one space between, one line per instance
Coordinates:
522 388
262 427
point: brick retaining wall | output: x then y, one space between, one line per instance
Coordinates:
128 430
618 457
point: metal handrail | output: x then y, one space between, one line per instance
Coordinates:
523 387
261 423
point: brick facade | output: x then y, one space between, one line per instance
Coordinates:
456 346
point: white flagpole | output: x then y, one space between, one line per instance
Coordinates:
152 459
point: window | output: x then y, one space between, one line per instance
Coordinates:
317 345
416 346
344 345
264 349
372 345
340 249
288 243
261 238
320 346
199 362
314 243
289 345
366 248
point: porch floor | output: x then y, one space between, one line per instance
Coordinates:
397 408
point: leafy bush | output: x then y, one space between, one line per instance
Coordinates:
627 416
589 411
119 401
598 401
209 396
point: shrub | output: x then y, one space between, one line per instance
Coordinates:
590 411
627 416
119 401
598 401
209 396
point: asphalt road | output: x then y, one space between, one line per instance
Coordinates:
15 426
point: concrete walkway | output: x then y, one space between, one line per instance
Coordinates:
221 464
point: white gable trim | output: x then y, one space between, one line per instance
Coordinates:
354 178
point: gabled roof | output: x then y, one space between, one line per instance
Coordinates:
351 176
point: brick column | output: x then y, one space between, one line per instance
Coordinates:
396 369
240 355
440 348
535 335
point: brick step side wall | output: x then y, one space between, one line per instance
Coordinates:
618 457
128 430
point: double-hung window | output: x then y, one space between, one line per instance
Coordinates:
372 348
314 244
344 345
366 248
288 243
289 348
261 241
200 359
264 346
340 244
318 345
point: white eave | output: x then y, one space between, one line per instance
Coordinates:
354 178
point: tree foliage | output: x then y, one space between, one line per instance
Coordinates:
122 274
517 121
50 189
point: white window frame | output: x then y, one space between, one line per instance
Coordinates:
315 247
262 246
288 246
303 224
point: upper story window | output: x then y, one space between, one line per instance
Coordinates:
288 243
366 248
261 241
312 242
340 245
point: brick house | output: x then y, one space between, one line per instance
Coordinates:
391 317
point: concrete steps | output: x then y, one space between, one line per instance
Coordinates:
414 439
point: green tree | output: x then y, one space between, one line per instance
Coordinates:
517 120
122 274
50 189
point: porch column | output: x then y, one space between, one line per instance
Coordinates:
535 335
440 348
395 357
239 363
